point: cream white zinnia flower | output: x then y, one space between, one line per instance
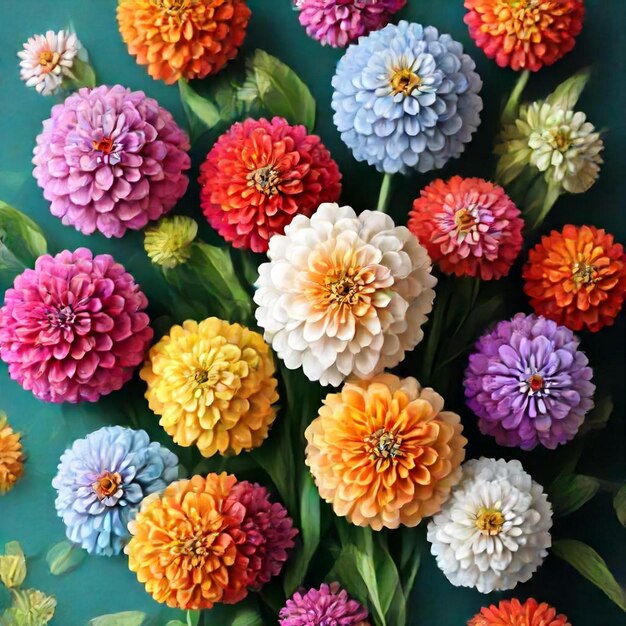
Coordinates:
493 531
344 294
47 59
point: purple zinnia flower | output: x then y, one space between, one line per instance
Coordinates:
528 383
111 159
74 328
101 482
340 22
327 606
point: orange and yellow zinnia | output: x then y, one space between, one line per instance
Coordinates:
577 277
515 613
213 385
186 544
11 456
183 38
384 453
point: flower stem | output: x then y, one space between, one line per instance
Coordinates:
510 110
385 194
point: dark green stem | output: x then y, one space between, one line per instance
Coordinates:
385 194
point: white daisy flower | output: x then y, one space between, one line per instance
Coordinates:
493 531
344 294
47 59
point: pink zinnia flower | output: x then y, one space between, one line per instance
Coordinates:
269 533
327 605
469 226
73 328
111 159
340 22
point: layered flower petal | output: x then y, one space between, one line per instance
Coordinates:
11 456
168 242
516 613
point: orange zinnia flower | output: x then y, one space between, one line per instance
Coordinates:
514 613
383 452
525 34
577 277
183 38
11 456
186 544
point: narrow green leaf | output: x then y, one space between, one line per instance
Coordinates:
568 492
598 417
83 75
553 191
175 622
278 89
619 502
511 109
193 617
566 95
413 545
202 114
64 557
590 564
125 618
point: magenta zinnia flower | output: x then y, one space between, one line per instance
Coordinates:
327 605
111 159
73 328
269 533
528 383
340 22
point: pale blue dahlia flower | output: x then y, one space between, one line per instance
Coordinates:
101 482
406 98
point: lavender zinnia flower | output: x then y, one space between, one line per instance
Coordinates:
101 482
111 159
528 383
327 605
340 22
406 98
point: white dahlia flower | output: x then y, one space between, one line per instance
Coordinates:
344 294
47 59
493 531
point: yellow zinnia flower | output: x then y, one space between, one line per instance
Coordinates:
11 456
168 242
213 384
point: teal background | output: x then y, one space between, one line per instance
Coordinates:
103 585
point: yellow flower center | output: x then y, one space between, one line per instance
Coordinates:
172 7
107 484
343 289
383 445
265 179
464 220
49 60
560 140
405 81
489 521
196 548
584 274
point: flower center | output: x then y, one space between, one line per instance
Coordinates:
195 548
62 318
172 7
384 444
535 382
104 145
107 484
49 60
584 274
405 81
560 140
342 289
464 220
489 521
265 180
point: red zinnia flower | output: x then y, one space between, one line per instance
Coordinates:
525 34
259 175
577 277
514 613
469 226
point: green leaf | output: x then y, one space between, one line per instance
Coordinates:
13 561
126 618
566 95
619 502
590 564
202 114
553 191
193 618
309 535
599 416
242 614
568 492
83 75
511 109
175 622
64 557
278 89
21 242
413 544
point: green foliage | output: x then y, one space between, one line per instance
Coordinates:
598 418
64 557
590 564
244 613
126 618
566 95
569 492
619 503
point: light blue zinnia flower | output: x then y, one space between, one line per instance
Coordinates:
406 98
101 482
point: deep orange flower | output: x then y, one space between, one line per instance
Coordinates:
577 277
11 456
384 453
514 613
186 544
183 38
525 34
